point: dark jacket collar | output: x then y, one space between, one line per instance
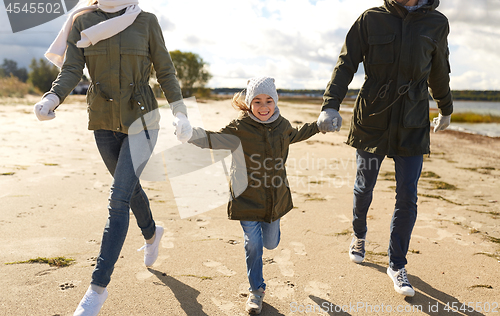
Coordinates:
395 8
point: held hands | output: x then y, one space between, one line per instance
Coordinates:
183 128
329 120
44 109
441 122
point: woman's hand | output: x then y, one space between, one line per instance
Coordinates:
44 109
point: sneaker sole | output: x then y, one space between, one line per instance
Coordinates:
157 246
356 259
253 311
409 292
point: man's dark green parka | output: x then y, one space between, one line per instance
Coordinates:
403 54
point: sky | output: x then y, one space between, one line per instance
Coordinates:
295 41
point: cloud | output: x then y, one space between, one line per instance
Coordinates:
296 41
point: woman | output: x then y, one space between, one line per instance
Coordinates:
404 49
119 44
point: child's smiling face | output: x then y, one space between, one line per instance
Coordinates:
262 107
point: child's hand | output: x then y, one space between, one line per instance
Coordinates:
183 129
329 120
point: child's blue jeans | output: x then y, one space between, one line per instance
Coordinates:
259 235
408 171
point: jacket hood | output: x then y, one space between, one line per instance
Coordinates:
396 8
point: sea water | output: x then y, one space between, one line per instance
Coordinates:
479 107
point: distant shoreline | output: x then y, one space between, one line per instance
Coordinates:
459 95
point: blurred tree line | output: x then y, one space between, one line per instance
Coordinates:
192 73
16 82
476 95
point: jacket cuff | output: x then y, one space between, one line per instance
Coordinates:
52 97
178 106
330 103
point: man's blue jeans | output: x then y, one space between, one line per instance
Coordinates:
258 235
126 193
408 171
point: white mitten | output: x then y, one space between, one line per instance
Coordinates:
183 128
329 120
44 109
441 122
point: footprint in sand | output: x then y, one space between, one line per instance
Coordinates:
284 263
219 267
280 289
143 275
343 219
318 289
226 307
66 286
167 240
203 221
299 248
92 261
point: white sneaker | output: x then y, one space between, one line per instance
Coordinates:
357 250
254 302
401 283
91 303
151 250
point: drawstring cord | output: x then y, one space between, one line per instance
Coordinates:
383 91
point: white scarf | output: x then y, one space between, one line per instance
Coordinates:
106 29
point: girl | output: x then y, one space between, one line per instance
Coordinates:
119 44
264 136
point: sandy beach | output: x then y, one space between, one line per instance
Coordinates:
54 191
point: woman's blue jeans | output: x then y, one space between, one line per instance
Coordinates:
258 235
408 171
126 193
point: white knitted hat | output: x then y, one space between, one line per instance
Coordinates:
261 85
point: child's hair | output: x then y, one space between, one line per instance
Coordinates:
239 102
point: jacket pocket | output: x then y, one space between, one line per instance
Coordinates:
381 49
416 109
134 51
143 109
371 111
92 51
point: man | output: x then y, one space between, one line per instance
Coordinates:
404 49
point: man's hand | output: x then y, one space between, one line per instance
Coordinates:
329 120
441 122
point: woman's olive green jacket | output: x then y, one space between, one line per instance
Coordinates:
403 54
120 68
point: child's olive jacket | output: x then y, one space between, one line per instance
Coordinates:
265 195
403 54
120 68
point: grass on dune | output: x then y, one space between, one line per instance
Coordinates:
469 117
